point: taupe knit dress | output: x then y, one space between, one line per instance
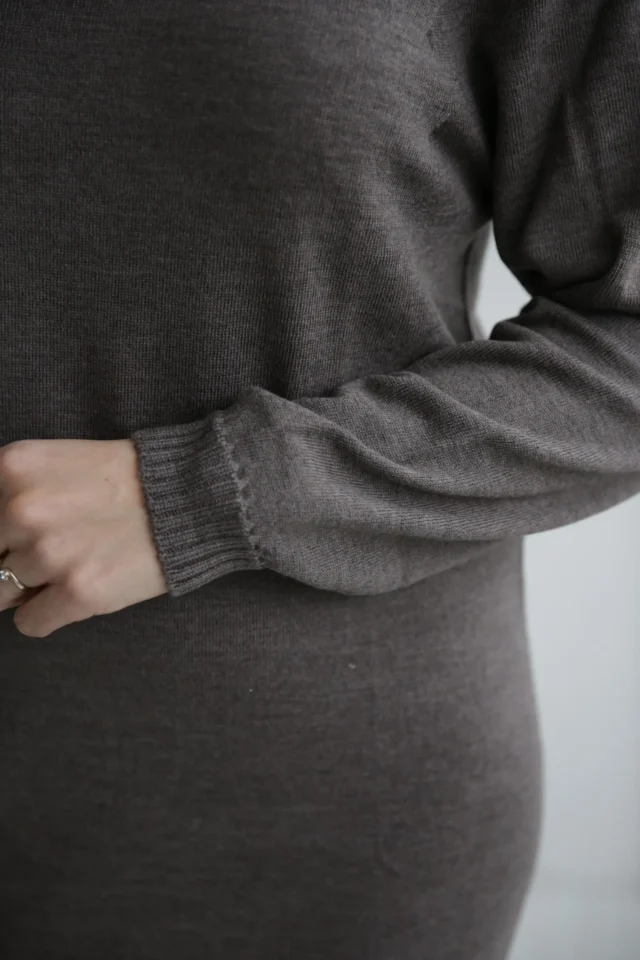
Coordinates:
237 231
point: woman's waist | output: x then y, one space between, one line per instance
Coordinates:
252 624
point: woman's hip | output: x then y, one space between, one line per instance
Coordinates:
248 777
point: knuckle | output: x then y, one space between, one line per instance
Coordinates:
23 510
15 458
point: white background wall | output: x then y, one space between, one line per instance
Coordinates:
583 608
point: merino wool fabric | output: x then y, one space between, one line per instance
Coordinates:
238 233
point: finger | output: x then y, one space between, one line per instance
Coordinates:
4 532
10 598
18 601
35 564
14 533
51 608
10 593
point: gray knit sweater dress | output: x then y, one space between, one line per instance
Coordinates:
236 231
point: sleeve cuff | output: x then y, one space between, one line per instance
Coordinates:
198 502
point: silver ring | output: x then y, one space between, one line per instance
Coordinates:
6 574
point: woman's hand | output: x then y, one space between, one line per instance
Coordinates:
73 523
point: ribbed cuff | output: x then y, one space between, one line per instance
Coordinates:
198 503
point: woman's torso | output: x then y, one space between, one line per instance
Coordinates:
181 181
254 769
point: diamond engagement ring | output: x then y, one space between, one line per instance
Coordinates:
9 576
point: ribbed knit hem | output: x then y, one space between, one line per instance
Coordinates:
197 502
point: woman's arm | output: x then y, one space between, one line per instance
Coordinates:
396 476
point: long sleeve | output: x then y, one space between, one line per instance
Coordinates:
396 476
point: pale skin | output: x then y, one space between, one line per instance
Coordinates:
75 530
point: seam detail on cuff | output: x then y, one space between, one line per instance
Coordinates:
243 489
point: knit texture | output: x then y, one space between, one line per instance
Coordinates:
373 449
237 232
249 253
